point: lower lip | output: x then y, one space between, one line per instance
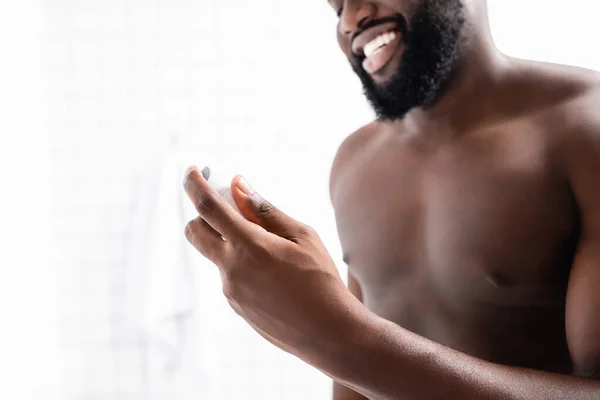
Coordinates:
381 57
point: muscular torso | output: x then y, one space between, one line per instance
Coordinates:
464 239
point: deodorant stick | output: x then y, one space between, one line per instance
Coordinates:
221 184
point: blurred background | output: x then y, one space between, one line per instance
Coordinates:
103 103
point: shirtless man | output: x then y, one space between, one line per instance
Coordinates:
469 215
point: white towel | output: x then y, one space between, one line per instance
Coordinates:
161 297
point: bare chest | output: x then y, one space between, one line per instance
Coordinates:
489 220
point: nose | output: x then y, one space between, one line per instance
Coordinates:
355 15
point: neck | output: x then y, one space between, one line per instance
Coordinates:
468 96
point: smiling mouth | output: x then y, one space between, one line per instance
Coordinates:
380 51
379 42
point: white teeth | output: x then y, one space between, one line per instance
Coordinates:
378 42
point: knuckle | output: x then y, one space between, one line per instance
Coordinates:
190 230
306 231
205 203
265 209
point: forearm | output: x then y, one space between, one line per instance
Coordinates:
388 362
341 392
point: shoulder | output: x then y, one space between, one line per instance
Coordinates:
352 147
550 87
586 109
567 101
576 138
579 143
579 117
556 77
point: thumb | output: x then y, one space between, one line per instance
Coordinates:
258 210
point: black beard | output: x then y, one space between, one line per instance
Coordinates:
431 53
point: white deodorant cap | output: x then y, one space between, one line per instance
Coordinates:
221 183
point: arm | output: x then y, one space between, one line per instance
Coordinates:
341 392
396 364
582 160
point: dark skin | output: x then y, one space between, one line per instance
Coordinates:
471 231
443 270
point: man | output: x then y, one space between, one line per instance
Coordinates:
469 214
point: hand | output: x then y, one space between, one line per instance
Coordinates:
276 272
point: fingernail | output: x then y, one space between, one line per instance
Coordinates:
206 173
245 186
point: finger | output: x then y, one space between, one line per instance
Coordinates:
207 241
260 211
214 209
